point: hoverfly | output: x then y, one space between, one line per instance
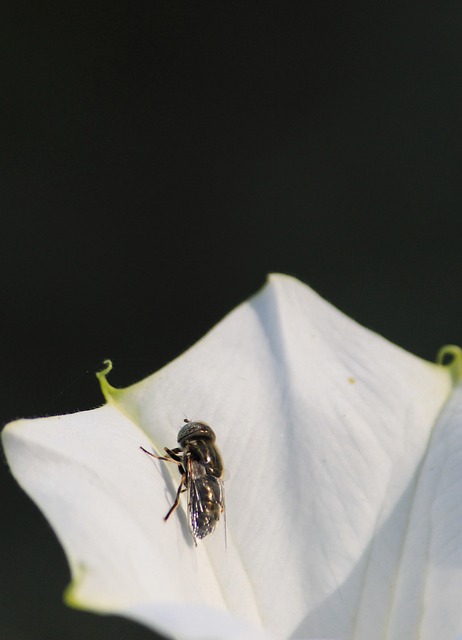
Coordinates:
201 468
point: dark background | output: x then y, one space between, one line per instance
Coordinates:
158 159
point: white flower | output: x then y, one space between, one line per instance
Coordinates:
343 496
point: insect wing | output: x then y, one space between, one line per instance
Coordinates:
205 500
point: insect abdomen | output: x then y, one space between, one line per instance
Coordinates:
206 505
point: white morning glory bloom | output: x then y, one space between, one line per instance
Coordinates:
343 485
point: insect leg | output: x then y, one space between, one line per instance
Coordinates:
177 499
172 453
164 458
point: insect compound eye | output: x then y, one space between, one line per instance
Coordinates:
193 430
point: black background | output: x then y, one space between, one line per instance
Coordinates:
158 159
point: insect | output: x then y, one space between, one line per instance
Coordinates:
201 468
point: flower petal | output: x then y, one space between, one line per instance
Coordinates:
324 427
426 599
